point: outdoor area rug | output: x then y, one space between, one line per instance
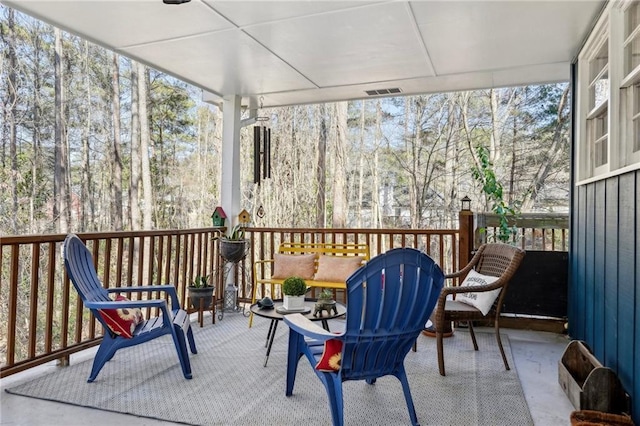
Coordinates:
230 386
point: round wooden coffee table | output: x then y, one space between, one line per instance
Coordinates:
275 316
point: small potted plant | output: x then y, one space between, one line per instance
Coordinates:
201 290
234 247
326 296
293 289
325 303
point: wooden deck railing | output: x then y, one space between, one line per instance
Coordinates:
42 319
536 231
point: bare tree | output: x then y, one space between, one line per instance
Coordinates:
11 113
60 187
134 179
361 160
116 181
321 167
144 147
88 204
376 211
559 146
339 167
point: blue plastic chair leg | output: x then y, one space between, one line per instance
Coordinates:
333 384
181 348
402 376
105 352
192 342
293 357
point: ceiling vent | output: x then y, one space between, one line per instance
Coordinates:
392 91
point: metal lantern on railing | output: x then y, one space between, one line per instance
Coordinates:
466 204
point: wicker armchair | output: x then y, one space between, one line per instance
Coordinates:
498 260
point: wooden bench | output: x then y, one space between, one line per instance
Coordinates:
263 269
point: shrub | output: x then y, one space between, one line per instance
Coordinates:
294 286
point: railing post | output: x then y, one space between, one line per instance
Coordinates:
465 245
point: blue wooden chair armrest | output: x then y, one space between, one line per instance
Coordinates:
169 289
308 328
154 303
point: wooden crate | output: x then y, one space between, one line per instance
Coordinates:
588 384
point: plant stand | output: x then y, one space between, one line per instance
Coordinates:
203 299
233 254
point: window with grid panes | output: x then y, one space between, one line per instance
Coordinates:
631 84
597 127
636 119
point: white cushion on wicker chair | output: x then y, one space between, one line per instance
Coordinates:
483 300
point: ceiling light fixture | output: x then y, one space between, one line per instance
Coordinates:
175 1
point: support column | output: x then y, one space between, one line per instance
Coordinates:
230 181
466 240
230 185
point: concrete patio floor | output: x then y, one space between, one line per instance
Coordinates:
536 355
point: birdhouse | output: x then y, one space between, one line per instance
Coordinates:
244 217
218 217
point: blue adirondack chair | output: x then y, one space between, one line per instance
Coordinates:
389 301
81 270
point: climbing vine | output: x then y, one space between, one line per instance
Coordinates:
484 174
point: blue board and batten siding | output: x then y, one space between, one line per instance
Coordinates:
604 288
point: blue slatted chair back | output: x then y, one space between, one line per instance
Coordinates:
389 301
82 272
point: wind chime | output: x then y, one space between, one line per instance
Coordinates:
261 155
261 150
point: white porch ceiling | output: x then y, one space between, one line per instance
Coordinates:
296 52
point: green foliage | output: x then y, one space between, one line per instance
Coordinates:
200 282
326 294
294 286
492 188
237 234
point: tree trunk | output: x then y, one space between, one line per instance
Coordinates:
147 211
60 161
36 167
134 189
361 167
116 181
452 160
376 214
321 167
411 141
88 200
340 164
11 120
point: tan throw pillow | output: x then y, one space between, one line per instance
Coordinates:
337 269
481 300
293 265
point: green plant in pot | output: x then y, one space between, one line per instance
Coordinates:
200 290
293 289
325 295
234 247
